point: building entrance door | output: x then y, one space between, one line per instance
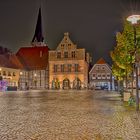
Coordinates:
77 83
66 84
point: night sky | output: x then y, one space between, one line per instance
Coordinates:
92 24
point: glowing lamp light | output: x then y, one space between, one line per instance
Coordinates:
35 75
133 19
0 69
21 73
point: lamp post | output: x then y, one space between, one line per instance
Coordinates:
35 80
1 74
20 80
134 19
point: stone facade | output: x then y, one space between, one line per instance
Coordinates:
68 66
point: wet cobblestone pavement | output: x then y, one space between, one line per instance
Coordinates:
67 115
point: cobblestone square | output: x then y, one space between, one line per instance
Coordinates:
67 115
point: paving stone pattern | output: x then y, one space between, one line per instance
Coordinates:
67 115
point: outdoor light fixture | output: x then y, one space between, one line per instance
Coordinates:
21 73
134 19
0 74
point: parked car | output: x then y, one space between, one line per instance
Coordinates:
98 87
104 87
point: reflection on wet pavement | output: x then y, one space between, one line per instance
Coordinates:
66 115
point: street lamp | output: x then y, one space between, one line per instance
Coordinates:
20 80
35 80
134 19
0 74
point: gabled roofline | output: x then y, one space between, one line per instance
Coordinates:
101 64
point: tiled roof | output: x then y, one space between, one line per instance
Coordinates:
15 61
10 61
101 61
33 58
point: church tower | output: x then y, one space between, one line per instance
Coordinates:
38 35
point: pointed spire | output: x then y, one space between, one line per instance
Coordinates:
38 36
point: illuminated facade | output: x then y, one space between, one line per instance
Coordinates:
34 59
9 78
100 76
33 79
9 72
34 75
68 66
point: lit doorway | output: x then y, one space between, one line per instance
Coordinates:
66 84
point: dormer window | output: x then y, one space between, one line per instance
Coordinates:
62 45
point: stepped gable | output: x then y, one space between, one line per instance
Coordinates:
10 61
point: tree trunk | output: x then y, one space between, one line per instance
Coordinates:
132 85
126 85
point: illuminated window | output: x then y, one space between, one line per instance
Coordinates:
55 68
62 68
58 54
69 67
73 54
97 68
4 73
76 67
108 75
103 76
62 45
65 54
14 74
9 73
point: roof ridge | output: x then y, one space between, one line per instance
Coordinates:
101 61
